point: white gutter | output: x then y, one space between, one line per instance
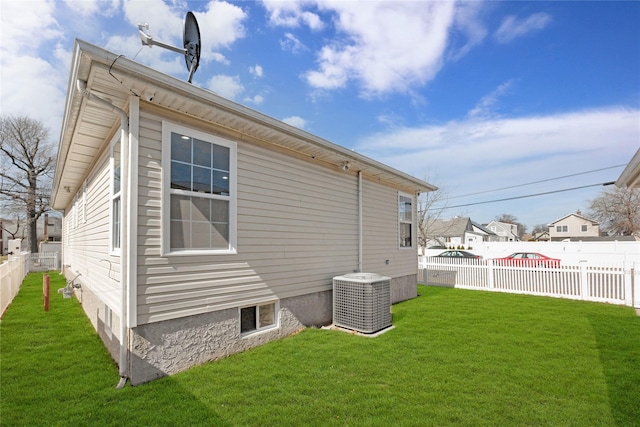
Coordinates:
630 176
360 222
124 130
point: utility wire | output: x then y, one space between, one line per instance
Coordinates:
537 182
527 196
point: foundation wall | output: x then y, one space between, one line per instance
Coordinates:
168 347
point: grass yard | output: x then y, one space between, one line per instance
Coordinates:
456 357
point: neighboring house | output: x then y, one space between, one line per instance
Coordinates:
454 232
486 234
573 226
541 236
197 228
504 232
48 229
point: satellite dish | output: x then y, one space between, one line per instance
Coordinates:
191 41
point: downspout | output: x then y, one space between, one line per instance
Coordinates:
359 222
124 130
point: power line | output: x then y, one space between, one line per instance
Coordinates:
527 196
538 182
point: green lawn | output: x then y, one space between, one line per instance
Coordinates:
456 357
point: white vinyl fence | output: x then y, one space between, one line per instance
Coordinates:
45 261
615 284
12 272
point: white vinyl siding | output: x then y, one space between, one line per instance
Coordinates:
382 253
297 228
87 247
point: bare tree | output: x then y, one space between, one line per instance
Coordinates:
431 206
26 167
618 211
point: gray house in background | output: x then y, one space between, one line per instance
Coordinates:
457 231
504 232
197 228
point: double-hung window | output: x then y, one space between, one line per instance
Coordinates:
405 219
199 189
116 205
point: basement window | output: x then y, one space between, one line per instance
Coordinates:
257 318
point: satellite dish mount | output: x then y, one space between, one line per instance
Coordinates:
191 42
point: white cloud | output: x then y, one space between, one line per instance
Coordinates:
292 44
221 25
31 85
226 86
512 27
479 154
295 121
464 151
86 8
26 26
485 108
256 100
467 23
291 14
257 71
376 53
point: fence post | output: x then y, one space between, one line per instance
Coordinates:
627 280
584 281
45 291
635 274
490 283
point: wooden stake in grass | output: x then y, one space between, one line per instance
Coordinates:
45 291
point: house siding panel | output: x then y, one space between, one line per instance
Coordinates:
297 229
86 249
381 238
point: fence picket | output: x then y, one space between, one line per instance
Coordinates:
616 284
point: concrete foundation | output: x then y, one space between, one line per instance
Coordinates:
404 288
168 347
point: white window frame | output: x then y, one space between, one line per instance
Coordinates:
584 228
74 210
115 243
258 328
84 202
167 129
402 221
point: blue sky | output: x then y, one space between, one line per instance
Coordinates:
471 96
